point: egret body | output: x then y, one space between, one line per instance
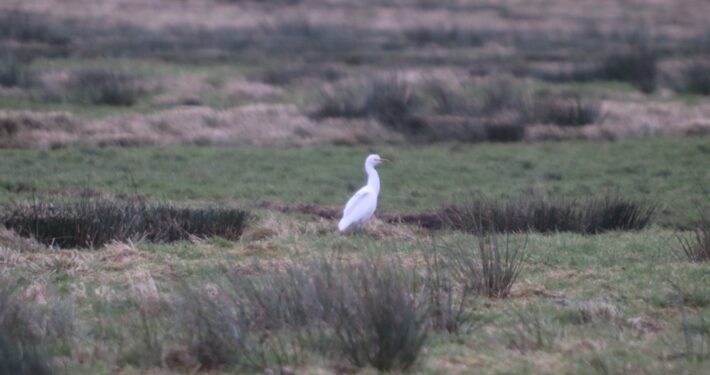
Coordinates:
364 202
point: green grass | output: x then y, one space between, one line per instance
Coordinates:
631 272
660 171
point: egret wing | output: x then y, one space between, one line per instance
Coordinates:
360 196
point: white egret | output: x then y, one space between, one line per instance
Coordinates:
363 204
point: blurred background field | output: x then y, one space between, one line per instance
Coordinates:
172 171
350 72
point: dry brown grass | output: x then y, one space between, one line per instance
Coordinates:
633 120
554 32
548 15
256 124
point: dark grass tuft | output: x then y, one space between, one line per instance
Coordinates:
370 313
11 72
531 333
564 109
93 223
28 329
376 315
694 78
22 359
637 65
448 302
538 213
486 267
32 27
390 100
512 130
219 331
697 247
453 37
105 86
696 338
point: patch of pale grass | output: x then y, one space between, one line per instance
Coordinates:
380 230
22 129
119 255
10 258
143 288
239 88
72 262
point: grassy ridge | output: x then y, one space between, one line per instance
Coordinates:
664 171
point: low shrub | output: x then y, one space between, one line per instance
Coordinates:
93 223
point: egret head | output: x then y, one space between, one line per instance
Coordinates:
374 160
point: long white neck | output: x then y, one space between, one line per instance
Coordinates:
373 179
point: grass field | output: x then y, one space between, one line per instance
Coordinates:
667 172
172 174
608 303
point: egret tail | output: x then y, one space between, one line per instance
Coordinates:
343 224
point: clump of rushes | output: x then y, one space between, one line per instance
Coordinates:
369 313
95 222
536 212
487 267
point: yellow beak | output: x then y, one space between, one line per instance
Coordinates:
385 160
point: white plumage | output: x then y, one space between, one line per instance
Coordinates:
364 202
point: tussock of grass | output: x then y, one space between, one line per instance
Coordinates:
532 332
11 73
535 212
369 313
697 247
21 359
448 310
486 266
637 65
29 323
104 86
693 78
435 111
377 317
31 27
95 222
95 86
564 109
390 100
696 337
